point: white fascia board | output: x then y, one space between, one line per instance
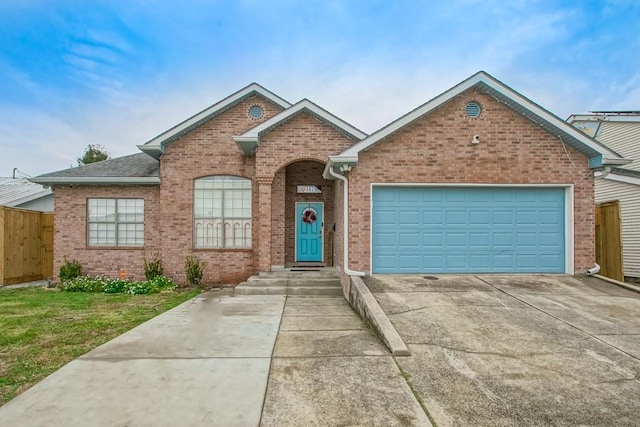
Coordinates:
604 117
153 151
333 161
303 105
486 79
243 138
607 161
622 178
103 180
253 87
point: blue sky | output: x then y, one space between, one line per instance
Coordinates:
117 73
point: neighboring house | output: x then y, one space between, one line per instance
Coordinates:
477 180
23 194
620 131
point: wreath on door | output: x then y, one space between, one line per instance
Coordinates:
309 215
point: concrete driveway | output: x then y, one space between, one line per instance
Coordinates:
518 350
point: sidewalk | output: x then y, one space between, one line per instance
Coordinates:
205 362
329 369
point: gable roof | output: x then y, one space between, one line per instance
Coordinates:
598 154
156 146
249 141
16 191
136 168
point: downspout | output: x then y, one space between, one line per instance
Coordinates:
345 226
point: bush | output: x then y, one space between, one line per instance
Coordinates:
163 283
70 270
84 284
194 269
153 268
117 286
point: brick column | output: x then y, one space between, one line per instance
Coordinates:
264 230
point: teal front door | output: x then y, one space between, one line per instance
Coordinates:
309 221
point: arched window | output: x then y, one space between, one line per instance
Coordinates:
222 212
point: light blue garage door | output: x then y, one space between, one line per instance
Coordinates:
468 230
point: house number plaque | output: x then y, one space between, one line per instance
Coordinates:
309 189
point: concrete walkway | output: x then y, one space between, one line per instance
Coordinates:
205 362
329 369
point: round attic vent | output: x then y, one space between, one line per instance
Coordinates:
472 109
256 112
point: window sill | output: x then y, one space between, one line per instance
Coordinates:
116 248
222 249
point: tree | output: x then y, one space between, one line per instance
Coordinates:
93 153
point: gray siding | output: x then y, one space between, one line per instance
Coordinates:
623 137
629 197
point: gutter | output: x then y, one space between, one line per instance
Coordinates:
345 227
96 180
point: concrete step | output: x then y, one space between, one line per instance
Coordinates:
298 281
286 282
289 290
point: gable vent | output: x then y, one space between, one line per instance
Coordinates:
472 109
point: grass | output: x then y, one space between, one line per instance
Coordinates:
41 331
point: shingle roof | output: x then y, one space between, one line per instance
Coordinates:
14 192
137 168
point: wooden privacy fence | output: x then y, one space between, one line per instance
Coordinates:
26 245
609 240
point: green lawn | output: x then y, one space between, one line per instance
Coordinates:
40 331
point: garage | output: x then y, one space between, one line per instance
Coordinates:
417 229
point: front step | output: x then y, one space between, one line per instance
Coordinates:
286 282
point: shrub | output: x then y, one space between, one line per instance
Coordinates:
70 270
117 286
163 283
83 284
153 268
194 269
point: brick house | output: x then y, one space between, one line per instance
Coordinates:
477 180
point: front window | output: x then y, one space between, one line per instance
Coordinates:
115 222
222 212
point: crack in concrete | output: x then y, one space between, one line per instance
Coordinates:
488 353
595 337
448 305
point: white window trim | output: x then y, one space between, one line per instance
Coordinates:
115 222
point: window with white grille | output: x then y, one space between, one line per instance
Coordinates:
222 212
115 222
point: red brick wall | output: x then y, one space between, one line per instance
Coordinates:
207 150
277 218
437 149
70 239
302 139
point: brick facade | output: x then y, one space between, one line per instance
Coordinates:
293 153
70 238
433 149
437 149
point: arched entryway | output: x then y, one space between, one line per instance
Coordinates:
302 215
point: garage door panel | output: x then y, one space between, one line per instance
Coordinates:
502 217
462 230
456 217
480 240
433 217
477 217
410 239
409 217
